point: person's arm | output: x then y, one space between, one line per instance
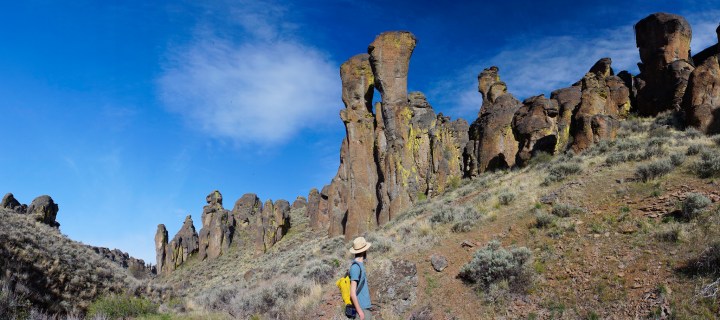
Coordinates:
354 299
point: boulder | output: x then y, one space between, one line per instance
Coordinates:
702 102
393 285
493 144
439 263
9 202
44 209
184 245
535 128
664 43
218 228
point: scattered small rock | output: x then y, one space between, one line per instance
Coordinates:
438 262
467 244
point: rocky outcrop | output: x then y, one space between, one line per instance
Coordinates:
9 202
535 127
605 100
664 43
700 58
358 150
184 245
390 57
137 267
299 203
568 101
394 285
161 244
702 102
44 209
218 228
493 144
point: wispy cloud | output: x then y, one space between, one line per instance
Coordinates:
260 90
532 66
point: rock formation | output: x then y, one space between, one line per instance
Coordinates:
535 127
184 245
218 228
299 203
390 57
161 244
710 51
664 43
9 202
137 267
44 209
492 144
605 100
702 102
358 151
568 100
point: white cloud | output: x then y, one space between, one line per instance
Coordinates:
259 91
540 65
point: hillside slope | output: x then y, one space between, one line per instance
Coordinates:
45 270
604 244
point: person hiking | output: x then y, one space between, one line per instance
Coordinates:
358 279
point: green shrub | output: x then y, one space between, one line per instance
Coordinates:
654 170
709 164
628 145
692 133
694 149
321 271
380 244
121 307
693 205
656 147
544 219
566 210
708 262
673 232
615 158
716 139
560 171
659 132
463 226
677 159
506 198
492 264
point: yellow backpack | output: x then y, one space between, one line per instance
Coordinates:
344 285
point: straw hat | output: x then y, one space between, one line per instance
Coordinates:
360 245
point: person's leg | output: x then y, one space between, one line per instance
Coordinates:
368 314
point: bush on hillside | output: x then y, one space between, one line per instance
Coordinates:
560 171
709 164
566 210
654 170
692 133
677 159
493 264
544 219
707 263
693 205
320 271
694 149
656 147
506 198
121 307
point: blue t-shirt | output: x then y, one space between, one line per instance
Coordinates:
364 294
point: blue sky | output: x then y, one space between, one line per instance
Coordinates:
128 113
